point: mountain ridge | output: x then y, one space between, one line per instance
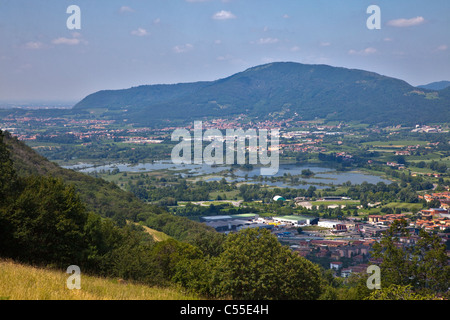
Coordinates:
312 91
438 85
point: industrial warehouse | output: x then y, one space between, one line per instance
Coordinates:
340 245
242 221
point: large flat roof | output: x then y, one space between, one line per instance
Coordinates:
244 215
216 218
295 218
230 217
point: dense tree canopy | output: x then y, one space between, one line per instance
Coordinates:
254 265
423 266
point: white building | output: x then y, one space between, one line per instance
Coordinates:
296 221
336 265
330 224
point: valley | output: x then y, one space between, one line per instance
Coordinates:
341 186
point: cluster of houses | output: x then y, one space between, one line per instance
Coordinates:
434 224
426 129
386 219
442 197
350 252
435 219
343 257
395 165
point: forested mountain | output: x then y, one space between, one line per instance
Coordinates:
309 90
440 85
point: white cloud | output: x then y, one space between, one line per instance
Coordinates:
67 41
295 49
325 44
364 52
125 9
140 32
75 40
183 48
443 47
268 41
33 45
223 15
402 23
286 16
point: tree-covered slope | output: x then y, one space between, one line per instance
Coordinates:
101 197
308 90
440 85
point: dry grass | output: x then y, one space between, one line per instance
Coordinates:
157 235
22 282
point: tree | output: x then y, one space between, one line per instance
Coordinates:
210 243
397 292
423 265
8 176
307 173
47 220
435 203
8 184
255 266
169 253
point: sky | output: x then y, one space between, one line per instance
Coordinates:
124 43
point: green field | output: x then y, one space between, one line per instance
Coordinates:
409 206
340 203
230 195
395 143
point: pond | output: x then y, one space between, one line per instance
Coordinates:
322 177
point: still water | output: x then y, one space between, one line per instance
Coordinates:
322 175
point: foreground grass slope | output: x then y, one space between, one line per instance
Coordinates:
23 282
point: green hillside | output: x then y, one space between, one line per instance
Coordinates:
101 197
44 222
440 85
55 217
308 90
24 282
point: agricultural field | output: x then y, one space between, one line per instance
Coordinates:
395 143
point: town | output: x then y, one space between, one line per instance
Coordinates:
344 245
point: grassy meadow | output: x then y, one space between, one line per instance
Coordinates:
23 282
